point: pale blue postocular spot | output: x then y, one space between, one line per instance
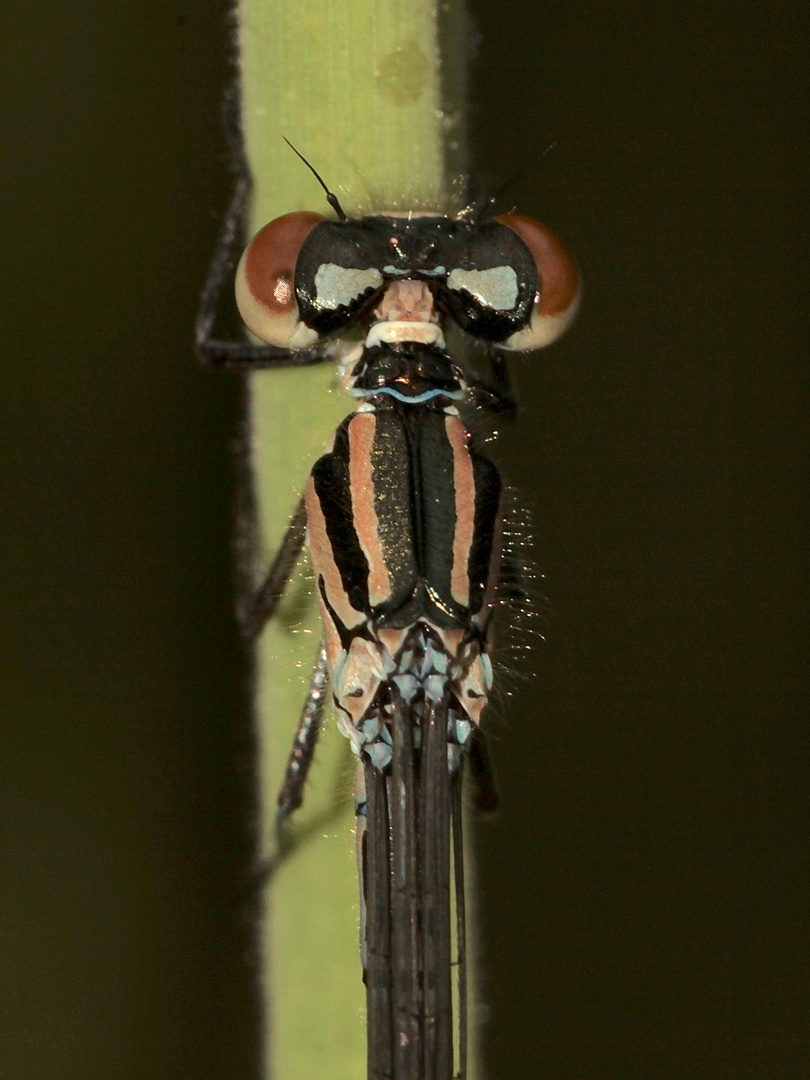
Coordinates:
338 286
496 288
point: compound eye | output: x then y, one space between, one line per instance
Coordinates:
265 281
558 297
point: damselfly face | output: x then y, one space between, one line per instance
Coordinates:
508 280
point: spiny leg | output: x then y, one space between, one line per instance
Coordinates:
306 737
242 354
272 588
504 390
498 397
262 610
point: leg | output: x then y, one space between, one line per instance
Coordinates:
499 397
272 589
503 383
231 240
303 749
210 349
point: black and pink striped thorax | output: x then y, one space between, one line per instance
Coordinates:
405 530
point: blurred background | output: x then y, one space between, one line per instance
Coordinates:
643 889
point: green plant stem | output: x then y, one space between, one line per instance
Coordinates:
357 86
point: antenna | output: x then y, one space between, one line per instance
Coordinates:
480 207
331 198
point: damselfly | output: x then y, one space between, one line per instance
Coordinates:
404 523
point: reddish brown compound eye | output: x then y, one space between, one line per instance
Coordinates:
265 281
558 298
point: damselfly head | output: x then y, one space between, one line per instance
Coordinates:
507 280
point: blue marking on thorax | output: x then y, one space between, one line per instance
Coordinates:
455 395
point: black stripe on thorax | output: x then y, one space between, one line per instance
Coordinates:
331 478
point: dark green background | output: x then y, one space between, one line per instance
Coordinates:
644 887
